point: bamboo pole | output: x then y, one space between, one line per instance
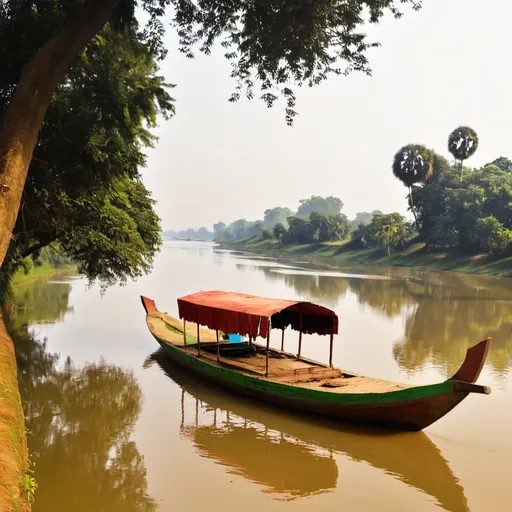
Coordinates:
282 341
218 345
198 344
184 333
300 335
331 349
268 346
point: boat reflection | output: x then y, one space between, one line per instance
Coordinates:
292 456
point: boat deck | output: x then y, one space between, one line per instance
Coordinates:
283 367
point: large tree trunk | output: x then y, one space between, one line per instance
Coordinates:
24 116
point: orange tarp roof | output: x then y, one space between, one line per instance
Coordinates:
251 315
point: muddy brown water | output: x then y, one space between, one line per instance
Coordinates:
114 427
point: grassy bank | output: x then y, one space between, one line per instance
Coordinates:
15 483
413 256
41 272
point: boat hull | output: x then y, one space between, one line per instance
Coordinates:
413 414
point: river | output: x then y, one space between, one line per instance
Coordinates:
113 427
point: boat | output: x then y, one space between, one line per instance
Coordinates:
197 343
387 451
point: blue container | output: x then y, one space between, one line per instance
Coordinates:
235 338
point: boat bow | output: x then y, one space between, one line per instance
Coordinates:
466 376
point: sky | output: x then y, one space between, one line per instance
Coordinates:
444 66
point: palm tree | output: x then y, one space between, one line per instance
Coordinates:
413 164
462 143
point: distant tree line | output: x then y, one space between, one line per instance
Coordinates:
454 207
202 234
317 219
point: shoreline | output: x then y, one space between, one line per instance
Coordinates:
14 462
43 272
15 481
414 257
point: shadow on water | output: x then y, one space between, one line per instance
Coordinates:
79 419
293 456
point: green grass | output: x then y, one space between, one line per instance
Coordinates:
35 273
415 255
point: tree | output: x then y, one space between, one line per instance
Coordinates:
279 232
492 235
387 231
266 234
219 227
319 204
204 234
329 227
462 143
277 42
502 163
362 219
240 228
413 164
300 231
89 196
450 209
275 216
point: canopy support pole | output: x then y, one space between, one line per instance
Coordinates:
331 345
217 335
250 340
184 333
268 346
300 335
198 343
282 341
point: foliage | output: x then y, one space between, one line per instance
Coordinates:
266 233
84 188
413 164
319 204
387 231
274 44
281 42
300 231
279 232
492 235
450 208
219 227
462 143
328 227
321 227
202 234
275 216
29 487
503 163
362 218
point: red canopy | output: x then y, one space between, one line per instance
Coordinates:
250 315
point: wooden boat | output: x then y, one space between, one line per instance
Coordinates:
387 451
291 380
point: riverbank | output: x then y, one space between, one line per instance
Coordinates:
16 485
44 271
415 256
14 465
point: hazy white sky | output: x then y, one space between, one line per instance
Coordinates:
438 68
